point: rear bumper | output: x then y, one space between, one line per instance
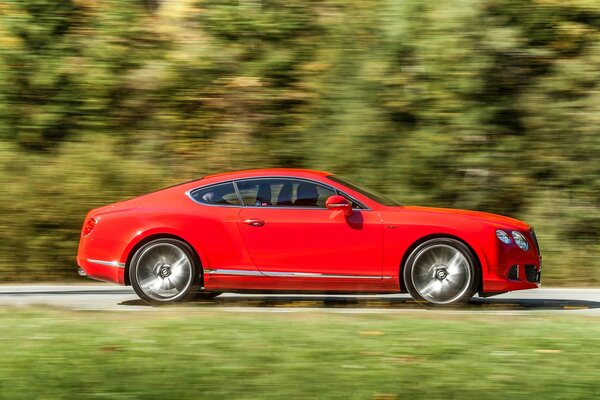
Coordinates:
99 256
103 270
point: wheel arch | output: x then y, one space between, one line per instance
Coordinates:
422 240
154 236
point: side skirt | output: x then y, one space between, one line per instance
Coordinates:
295 282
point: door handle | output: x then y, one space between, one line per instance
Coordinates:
254 222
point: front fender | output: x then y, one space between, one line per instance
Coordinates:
401 238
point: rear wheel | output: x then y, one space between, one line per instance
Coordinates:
441 271
164 271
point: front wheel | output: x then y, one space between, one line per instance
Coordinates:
441 271
164 271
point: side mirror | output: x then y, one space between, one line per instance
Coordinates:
339 203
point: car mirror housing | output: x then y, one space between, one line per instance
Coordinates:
339 203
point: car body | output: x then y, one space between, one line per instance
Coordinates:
309 231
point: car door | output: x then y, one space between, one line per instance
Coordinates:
288 231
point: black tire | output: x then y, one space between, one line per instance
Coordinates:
159 276
206 296
441 271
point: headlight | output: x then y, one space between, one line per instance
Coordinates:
520 241
503 236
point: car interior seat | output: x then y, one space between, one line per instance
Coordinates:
306 195
285 195
263 197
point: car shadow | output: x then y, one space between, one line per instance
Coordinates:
370 302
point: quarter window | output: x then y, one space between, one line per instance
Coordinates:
280 192
223 194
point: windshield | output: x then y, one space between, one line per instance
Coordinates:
372 194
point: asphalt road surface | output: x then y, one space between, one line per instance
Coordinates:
109 297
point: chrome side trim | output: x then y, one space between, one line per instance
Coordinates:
317 275
115 264
239 272
276 274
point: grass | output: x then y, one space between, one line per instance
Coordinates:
183 353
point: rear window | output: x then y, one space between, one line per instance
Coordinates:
222 194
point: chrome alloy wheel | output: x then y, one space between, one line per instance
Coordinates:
163 271
441 273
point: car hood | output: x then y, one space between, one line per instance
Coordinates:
499 221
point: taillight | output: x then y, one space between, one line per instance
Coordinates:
89 226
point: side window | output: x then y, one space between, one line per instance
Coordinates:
281 192
223 194
249 192
323 193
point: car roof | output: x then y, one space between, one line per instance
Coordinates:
250 173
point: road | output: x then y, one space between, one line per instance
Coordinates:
108 297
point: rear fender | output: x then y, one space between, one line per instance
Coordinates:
157 232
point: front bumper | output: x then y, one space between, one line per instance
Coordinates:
513 268
499 284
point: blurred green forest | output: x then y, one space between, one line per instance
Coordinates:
490 105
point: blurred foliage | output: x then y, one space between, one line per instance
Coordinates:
483 104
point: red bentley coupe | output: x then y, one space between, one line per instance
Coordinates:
282 230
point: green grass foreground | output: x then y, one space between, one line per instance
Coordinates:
191 354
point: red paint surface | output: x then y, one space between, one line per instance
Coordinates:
369 242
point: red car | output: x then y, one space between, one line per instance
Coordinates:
282 230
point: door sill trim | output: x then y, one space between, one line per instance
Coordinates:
277 274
